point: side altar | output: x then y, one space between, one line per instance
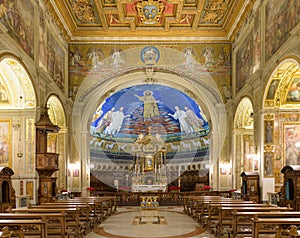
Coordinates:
149 164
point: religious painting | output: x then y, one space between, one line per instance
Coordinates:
76 173
244 61
4 95
249 151
291 138
255 164
42 38
29 189
5 143
268 164
165 111
269 129
256 42
55 61
272 89
223 171
293 94
18 17
281 18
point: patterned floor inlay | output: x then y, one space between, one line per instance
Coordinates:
140 220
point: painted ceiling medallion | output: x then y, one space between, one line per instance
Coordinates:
150 12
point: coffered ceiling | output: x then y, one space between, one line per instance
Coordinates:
188 20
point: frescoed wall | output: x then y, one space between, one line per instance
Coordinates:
244 61
101 60
18 17
281 18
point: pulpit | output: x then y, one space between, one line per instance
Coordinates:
46 162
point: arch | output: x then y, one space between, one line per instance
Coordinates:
243 140
282 90
56 111
16 81
57 142
200 86
244 114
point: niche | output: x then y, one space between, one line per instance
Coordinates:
7 196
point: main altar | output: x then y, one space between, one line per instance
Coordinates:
149 164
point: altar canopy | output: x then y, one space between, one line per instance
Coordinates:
149 164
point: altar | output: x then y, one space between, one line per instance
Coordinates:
148 188
149 169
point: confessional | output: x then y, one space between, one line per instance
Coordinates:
250 190
7 196
290 191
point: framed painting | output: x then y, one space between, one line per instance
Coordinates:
5 143
223 171
291 151
269 125
76 173
268 164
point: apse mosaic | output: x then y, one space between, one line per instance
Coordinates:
149 109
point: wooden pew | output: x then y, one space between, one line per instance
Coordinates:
5 232
96 215
243 221
279 227
21 224
191 202
74 227
56 222
109 203
201 210
224 222
83 216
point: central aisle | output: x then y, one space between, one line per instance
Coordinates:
131 222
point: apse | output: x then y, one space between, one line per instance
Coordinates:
149 109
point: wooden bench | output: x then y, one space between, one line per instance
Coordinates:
5 232
275 227
73 227
56 222
243 221
201 210
20 225
221 221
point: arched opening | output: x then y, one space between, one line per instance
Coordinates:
245 154
56 142
18 114
281 106
93 93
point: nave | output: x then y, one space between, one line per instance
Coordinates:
166 222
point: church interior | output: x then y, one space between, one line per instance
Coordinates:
150 106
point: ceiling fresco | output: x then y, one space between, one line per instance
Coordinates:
149 109
86 18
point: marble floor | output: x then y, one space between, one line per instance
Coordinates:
166 222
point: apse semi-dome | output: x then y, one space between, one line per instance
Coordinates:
149 109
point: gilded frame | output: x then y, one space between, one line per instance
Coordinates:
291 150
